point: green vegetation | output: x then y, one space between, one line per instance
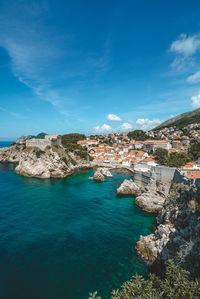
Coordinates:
161 155
72 161
138 135
173 159
195 150
40 136
174 283
64 159
182 120
69 141
38 152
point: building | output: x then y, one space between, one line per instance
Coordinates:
87 142
55 139
43 143
152 145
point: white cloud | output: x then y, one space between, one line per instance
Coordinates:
113 117
147 124
126 126
102 129
194 78
184 48
186 45
196 101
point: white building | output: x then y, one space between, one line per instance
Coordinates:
152 145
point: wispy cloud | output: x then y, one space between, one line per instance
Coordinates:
14 114
195 101
42 58
184 48
195 78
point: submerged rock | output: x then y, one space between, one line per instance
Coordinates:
128 187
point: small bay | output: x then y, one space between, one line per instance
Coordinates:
61 238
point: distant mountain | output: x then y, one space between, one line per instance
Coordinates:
181 120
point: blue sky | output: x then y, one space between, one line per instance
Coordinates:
96 66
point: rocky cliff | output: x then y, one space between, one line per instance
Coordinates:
177 235
149 198
54 161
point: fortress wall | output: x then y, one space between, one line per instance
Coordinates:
142 178
41 143
160 173
163 173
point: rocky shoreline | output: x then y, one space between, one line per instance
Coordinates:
177 232
53 162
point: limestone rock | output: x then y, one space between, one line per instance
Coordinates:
98 176
106 172
128 187
153 197
52 162
177 235
149 202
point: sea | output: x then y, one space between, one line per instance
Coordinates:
64 238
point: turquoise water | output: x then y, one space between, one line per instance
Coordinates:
61 238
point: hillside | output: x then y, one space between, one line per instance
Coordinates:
181 120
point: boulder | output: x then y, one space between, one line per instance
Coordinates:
98 176
106 172
128 187
150 202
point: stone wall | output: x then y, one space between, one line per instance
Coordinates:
142 178
35 142
160 173
163 173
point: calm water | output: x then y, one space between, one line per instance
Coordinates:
61 238
5 143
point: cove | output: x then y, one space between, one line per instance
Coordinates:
62 238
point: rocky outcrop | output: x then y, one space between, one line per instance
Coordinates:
52 162
98 176
45 166
128 187
106 172
11 154
153 196
177 235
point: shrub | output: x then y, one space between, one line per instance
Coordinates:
72 161
64 159
38 152
175 283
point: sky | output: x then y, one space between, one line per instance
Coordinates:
96 66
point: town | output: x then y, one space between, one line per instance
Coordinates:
123 149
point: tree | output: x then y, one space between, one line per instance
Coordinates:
161 155
178 159
175 283
138 135
195 150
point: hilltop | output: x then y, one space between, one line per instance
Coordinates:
181 120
